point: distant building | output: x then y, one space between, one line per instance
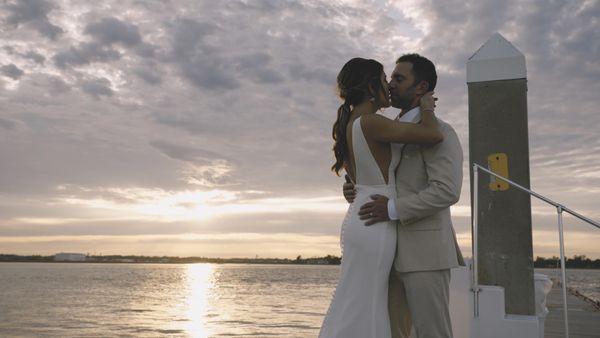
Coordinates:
69 257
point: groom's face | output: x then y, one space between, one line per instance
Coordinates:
403 91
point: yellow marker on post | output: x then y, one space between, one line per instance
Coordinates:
498 163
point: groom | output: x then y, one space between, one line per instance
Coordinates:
428 182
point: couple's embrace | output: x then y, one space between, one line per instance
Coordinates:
397 240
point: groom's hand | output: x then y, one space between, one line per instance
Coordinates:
375 211
349 191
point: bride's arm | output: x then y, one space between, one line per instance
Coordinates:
382 129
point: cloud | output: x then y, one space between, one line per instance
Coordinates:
7 124
56 85
113 30
257 67
145 50
38 58
12 71
35 14
150 76
312 74
240 97
97 87
9 49
105 34
202 167
200 62
30 55
84 54
185 153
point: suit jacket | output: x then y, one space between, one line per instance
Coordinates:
428 182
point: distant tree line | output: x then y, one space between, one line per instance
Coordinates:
31 258
577 262
327 260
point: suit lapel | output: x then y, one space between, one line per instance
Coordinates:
415 119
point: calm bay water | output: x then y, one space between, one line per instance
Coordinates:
149 300
195 300
585 281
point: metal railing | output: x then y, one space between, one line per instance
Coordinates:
559 210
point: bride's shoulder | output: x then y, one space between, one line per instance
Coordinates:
373 124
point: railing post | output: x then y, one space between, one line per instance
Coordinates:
559 210
474 240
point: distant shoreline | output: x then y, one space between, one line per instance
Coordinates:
576 262
326 260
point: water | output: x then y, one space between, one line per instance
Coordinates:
150 300
585 281
195 300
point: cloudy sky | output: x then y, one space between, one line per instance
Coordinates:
203 127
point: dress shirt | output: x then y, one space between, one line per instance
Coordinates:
412 116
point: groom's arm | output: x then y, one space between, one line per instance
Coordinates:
443 164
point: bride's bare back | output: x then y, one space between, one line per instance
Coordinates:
381 152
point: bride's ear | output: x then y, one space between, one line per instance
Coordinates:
371 91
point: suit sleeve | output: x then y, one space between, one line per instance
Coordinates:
443 165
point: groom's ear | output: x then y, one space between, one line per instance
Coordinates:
422 87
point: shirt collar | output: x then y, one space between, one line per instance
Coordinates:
413 115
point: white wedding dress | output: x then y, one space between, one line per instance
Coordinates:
359 308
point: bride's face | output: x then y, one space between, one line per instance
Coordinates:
383 97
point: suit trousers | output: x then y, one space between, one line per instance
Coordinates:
420 300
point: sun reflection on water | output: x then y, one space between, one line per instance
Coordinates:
200 283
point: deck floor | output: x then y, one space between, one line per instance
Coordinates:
584 319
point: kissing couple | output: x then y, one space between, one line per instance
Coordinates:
397 239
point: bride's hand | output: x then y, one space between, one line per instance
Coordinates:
427 102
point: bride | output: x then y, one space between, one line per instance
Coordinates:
368 147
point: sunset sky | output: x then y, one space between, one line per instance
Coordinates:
203 128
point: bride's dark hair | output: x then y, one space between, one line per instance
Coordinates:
353 87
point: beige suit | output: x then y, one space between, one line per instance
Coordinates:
428 182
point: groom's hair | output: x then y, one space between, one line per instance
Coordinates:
423 69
